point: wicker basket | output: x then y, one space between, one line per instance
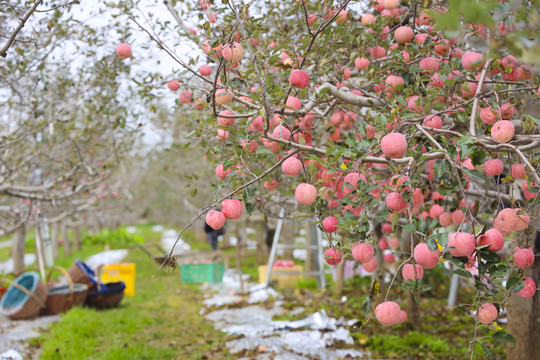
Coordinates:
81 273
62 298
108 295
28 292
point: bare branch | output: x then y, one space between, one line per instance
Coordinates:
3 51
472 120
351 98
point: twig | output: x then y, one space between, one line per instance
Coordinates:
397 272
59 6
208 207
4 50
472 120
170 7
162 46
524 159
256 68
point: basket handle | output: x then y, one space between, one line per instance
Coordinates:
99 271
25 269
24 290
68 277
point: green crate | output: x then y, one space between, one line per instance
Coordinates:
202 273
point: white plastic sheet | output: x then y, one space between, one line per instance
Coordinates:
6 267
131 229
11 355
283 340
311 343
106 258
168 238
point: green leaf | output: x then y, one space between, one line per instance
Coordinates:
410 227
513 281
463 273
504 337
487 351
395 219
375 290
367 305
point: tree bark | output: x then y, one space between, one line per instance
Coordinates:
262 250
67 243
77 237
379 272
311 231
225 243
413 309
54 239
95 226
340 278
523 325
239 236
288 238
17 249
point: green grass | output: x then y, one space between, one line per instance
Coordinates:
160 322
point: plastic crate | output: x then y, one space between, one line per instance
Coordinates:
283 280
121 272
210 273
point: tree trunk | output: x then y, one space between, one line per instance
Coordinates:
67 243
54 239
239 237
288 238
95 226
225 243
262 250
17 249
340 278
77 237
413 309
311 232
523 325
380 271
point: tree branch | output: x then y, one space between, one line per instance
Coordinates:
472 120
3 52
351 98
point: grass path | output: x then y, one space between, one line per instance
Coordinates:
160 322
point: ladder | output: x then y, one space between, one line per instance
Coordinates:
314 243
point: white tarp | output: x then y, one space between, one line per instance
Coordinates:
6 267
106 258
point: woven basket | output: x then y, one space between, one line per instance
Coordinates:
29 284
62 298
81 273
108 295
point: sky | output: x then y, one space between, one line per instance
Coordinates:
96 14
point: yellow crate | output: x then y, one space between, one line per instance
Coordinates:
121 272
283 280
